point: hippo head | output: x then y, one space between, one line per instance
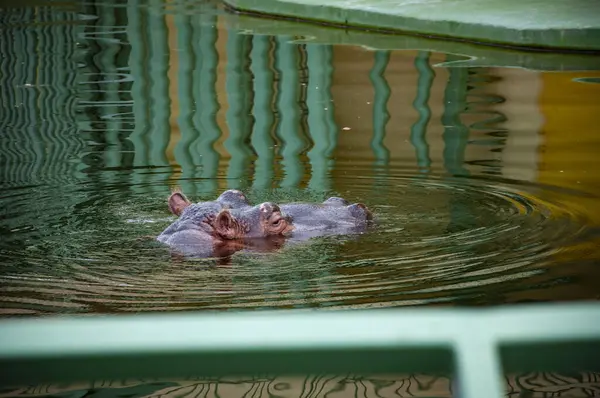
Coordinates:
233 199
194 221
230 199
258 221
230 217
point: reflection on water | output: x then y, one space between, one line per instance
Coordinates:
484 180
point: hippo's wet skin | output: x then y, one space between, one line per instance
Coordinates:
335 216
231 223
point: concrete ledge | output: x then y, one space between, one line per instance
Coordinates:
534 24
468 54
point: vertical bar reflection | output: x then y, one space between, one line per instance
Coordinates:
106 61
262 141
287 103
455 138
421 103
205 98
380 116
160 105
320 110
237 86
139 95
455 133
187 64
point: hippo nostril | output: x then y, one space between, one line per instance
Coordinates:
224 219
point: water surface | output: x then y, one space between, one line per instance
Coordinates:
484 179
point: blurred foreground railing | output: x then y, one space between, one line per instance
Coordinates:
474 345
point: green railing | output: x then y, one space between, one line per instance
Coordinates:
473 345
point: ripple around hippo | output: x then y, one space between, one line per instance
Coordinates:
489 242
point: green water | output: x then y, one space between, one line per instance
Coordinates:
483 179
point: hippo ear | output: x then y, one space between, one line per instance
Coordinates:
177 203
360 212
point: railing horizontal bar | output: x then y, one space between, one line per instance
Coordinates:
283 342
293 329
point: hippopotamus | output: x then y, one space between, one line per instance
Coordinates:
231 223
219 226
